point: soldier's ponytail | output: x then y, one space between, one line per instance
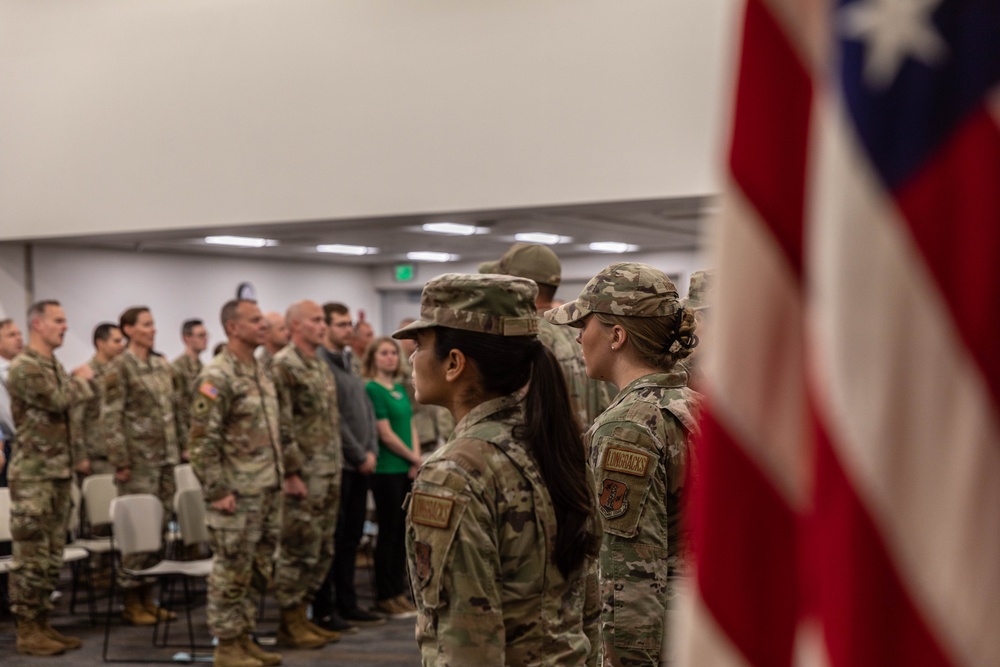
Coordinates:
551 429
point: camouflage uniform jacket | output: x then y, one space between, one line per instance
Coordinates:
41 397
590 397
186 371
481 529
310 420
638 451
138 412
264 358
234 440
90 441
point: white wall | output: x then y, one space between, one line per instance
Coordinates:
13 300
121 115
97 285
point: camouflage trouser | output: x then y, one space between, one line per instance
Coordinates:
635 593
39 514
307 528
158 481
244 545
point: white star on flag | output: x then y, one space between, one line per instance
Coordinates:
892 31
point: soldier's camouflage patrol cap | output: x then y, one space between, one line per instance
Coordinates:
487 303
628 288
527 260
700 290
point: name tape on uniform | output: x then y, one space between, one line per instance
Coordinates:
433 511
626 461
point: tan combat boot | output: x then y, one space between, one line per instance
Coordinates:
251 647
293 632
32 640
230 653
331 636
153 609
52 633
135 613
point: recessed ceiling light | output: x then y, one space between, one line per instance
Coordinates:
240 241
450 228
541 237
344 249
612 246
428 256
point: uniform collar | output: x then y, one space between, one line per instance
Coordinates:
673 379
484 411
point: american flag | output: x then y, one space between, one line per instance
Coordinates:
846 510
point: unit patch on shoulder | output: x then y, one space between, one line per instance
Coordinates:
422 552
612 502
209 390
626 461
430 510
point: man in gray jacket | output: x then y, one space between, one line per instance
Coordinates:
336 604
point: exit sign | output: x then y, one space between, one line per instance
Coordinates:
405 273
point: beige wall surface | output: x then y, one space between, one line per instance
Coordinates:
121 115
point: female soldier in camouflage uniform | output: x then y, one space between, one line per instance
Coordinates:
138 417
501 525
634 330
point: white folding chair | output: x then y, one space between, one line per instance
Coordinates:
136 528
185 478
98 491
190 507
81 549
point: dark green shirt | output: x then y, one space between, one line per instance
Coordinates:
393 405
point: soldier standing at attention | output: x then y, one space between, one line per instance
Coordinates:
11 344
501 524
310 442
90 442
141 429
186 368
236 453
634 330
42 395
538 263
276 339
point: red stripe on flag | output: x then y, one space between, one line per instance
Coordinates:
867 614
953 210
771 128
743 538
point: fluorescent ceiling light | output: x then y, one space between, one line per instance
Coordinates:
240 241
450 228
343 249
612 246
540 237
427 256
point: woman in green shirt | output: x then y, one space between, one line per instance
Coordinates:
398 460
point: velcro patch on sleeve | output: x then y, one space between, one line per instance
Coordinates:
430 510
209 390
626 461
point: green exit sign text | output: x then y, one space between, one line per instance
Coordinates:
405 273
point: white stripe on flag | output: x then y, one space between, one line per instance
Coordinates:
753 370
903 402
